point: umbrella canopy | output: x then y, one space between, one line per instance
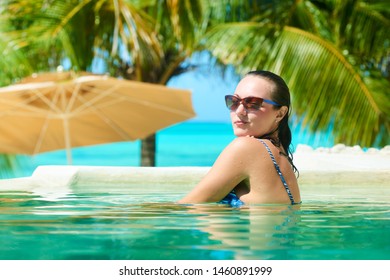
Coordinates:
56 111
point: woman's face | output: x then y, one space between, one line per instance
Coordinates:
250 122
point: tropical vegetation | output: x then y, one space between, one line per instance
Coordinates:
333 53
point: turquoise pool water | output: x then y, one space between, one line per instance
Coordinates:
342 223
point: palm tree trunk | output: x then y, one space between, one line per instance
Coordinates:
148 151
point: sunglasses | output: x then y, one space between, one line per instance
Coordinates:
249 103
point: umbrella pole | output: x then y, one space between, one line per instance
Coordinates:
67 141
69 156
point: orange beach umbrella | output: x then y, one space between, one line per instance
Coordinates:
56 111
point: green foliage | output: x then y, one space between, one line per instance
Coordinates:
334 53
11 166
330 53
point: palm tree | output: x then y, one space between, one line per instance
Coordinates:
178 26
145 41
334 55
12 65
327 50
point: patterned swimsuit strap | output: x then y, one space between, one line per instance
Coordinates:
279 172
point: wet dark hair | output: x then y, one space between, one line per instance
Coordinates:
280 95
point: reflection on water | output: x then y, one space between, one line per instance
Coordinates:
124 226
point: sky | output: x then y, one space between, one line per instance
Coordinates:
209 88
205 82
207 95
209 85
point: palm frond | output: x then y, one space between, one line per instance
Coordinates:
367 32
14 64
13 166
327 89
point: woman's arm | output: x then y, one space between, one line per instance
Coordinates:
228 171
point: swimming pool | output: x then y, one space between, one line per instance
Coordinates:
81 217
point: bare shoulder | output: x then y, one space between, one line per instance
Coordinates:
245 146
252 149
244 142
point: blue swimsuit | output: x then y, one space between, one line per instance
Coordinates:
234 201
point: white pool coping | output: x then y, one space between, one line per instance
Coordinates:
327 167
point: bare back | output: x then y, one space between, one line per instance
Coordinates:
264 184
246 167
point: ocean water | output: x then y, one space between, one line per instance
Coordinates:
184 144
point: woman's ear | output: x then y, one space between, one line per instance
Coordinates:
281 113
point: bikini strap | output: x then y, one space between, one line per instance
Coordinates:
279 172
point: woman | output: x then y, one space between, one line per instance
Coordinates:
257 166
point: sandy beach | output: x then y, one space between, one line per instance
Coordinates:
342 158
342 166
